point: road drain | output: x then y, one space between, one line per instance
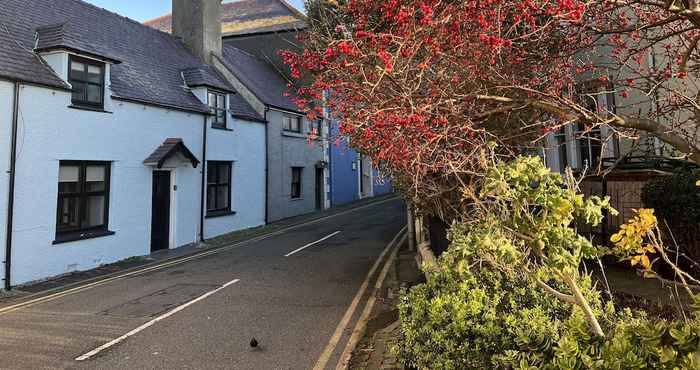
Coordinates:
156 303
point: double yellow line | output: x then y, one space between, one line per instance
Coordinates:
174 262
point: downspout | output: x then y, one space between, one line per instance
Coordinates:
267 168
204 180
330 164
11 190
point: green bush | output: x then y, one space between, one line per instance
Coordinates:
484 319
676 199
508 294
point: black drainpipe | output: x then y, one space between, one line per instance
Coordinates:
11 191
267 169
204 180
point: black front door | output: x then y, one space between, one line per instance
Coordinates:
160 216
319 188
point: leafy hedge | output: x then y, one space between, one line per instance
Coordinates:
508 294
676 199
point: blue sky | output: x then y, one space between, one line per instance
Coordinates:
142 10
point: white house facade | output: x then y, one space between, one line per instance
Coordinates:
116 140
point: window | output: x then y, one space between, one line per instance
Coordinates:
589 146
292 123
217 106
560 137
218 187
83 196
87 78
296 182
317 127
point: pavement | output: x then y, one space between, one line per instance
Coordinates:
293 290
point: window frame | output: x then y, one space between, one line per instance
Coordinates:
87 62
291 119
83 195
299 190
218 184
215 109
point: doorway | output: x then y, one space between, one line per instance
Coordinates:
319 188
160 211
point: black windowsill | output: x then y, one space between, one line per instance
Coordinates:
81 235
222 128
88 108
215 214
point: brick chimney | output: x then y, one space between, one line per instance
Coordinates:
198 24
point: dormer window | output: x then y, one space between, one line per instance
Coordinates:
217 106
88 80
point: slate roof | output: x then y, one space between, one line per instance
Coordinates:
245 17
169 148
239 108
66 36
204 76
259 77
152 61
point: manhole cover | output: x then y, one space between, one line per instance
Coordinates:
158 302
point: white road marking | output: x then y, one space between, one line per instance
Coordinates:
344 360
101 348
311 244
43 297
350 312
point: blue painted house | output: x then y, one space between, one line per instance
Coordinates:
352 175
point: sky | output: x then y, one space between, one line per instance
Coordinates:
143 10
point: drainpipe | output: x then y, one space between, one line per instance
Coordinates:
267 168
204 180
11 190
330 165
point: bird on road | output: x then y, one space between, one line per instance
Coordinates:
253 343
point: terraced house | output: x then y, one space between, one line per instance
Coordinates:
116 139
303 175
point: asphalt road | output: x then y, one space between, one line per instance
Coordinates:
291 305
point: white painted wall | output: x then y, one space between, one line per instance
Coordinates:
244 145
50 132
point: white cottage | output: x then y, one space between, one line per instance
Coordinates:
116 140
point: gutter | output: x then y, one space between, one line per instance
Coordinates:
204 179
267 168
11 188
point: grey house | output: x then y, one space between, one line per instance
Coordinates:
296 164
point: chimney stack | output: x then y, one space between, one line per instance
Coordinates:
198 24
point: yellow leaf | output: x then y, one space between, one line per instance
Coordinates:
645 262
634 260
616 238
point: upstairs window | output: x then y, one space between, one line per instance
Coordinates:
317 127
88 80
83 196
292 123
217 106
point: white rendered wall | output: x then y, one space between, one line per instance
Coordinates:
50 132
244 145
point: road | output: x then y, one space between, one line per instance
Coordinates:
202 313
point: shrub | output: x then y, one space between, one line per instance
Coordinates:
676 199
508 293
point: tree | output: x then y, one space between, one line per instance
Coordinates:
427 87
